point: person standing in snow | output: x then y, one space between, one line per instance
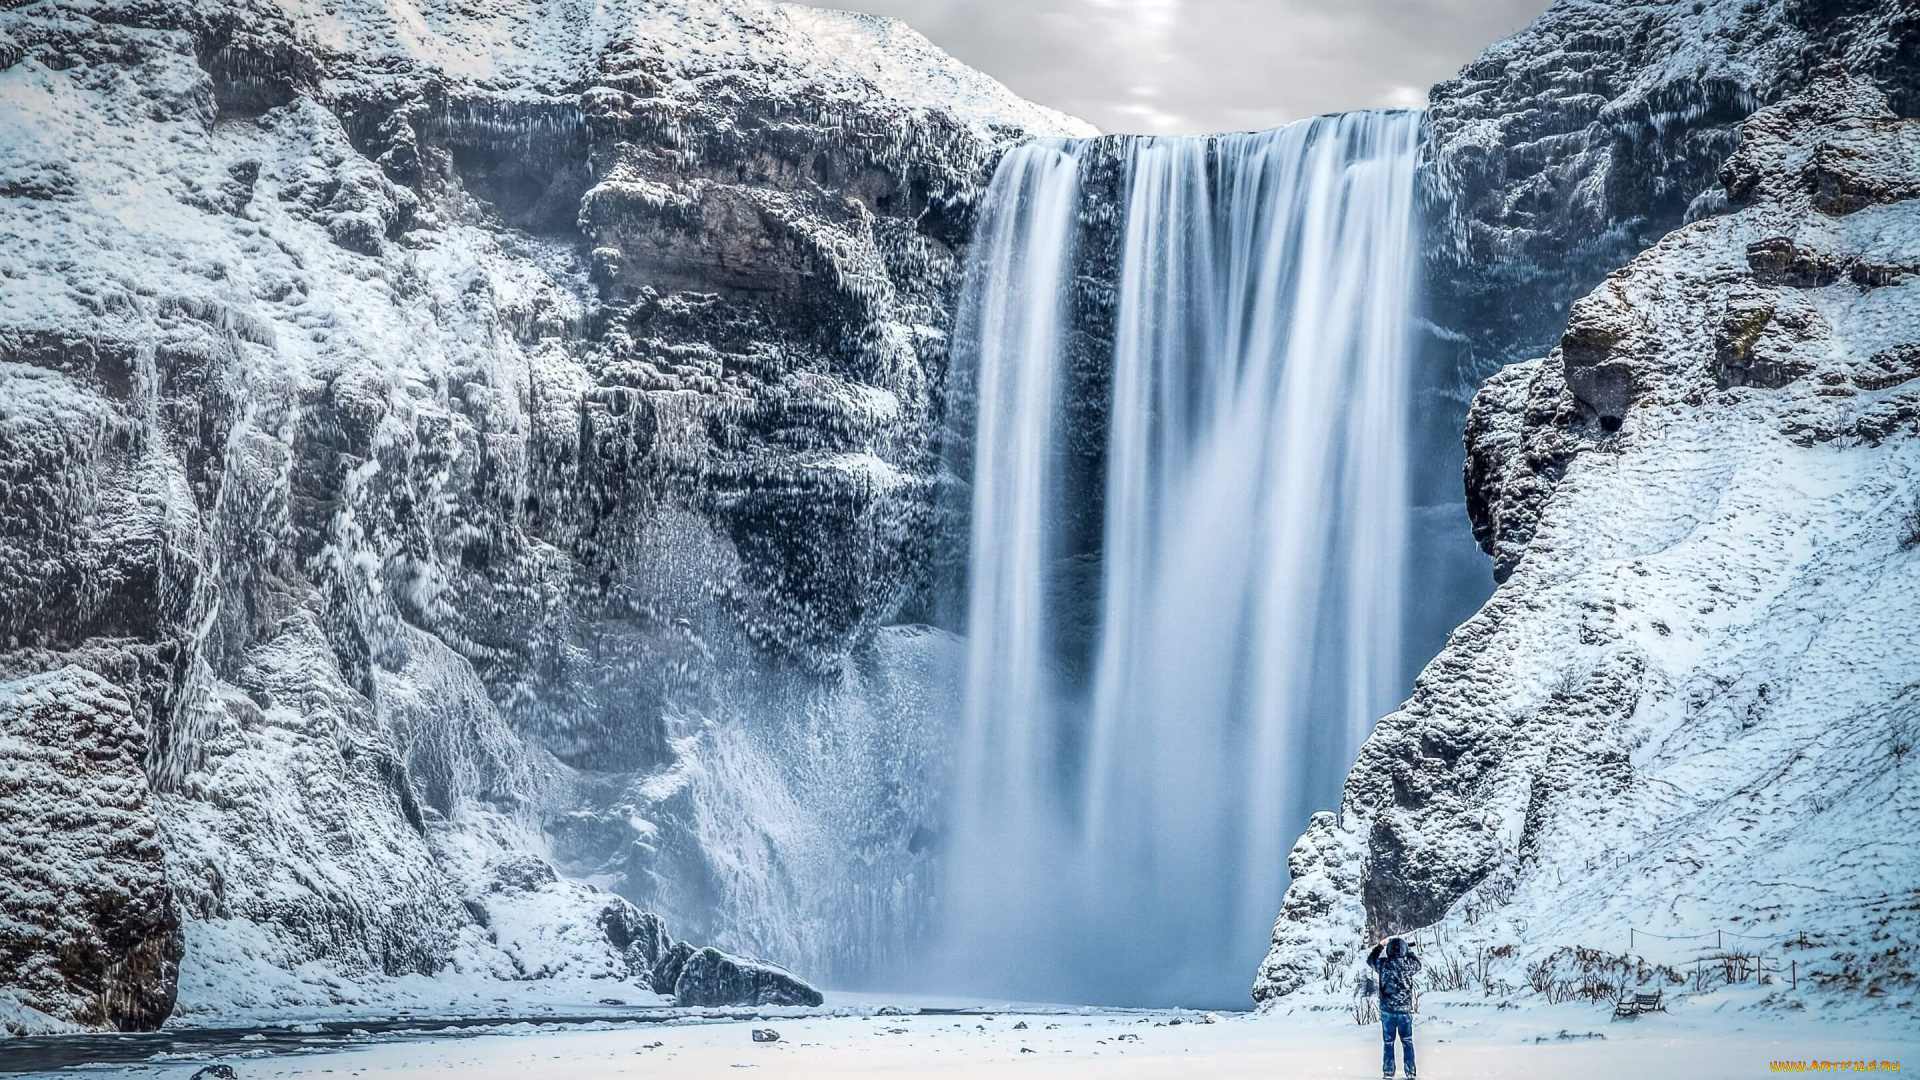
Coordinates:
1395 971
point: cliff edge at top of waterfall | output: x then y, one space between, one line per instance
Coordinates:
1676 749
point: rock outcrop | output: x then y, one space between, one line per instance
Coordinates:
695 976
1555 157
711 977
1575 144
89 930
1690 708
465 434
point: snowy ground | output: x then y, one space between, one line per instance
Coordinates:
1701 1042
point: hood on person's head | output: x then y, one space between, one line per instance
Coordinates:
1396 947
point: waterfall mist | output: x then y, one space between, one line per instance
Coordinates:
1176 639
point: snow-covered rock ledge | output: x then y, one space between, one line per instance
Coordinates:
1693 707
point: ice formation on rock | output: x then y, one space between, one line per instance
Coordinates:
89 929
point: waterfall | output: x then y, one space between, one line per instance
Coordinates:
1155 706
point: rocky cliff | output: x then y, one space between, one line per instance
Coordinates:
1562 152
441 444
1689 711
1556 156
1570 147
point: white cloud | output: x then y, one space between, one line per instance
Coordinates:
1404 97
1212 65
1152 121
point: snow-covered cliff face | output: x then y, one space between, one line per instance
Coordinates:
472 439
1562 152
1691 706
91 930
1570 147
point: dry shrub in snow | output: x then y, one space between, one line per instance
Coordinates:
1577 973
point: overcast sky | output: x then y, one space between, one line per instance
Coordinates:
1194 66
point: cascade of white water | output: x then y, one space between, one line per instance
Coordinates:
1013 312
1124 836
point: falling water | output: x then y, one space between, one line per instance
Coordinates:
1123 810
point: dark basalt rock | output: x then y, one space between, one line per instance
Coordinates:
710 977
1598 353
695 976
666 969
1762 338
640 936
1777 260
1522 432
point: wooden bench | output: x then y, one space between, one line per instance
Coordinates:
1636 1004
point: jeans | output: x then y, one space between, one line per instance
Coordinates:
1392 1023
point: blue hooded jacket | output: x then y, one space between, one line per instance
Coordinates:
1395 970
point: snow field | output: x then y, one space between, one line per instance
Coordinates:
1699 1043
